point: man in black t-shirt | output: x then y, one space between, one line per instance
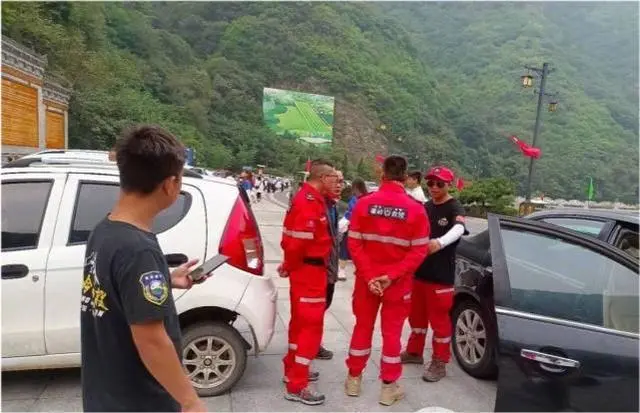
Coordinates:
130 334
432 294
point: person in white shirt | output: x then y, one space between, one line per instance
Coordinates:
414 189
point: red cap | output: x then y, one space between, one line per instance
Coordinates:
441 173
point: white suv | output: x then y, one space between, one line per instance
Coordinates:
48 211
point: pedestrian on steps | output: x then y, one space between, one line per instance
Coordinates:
388 237
433 285
307 244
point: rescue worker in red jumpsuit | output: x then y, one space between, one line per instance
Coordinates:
433 285
388 238
307 244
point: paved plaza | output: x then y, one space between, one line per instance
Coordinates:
261 387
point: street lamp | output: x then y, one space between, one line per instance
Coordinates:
527 82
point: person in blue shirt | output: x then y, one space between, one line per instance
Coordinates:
358 189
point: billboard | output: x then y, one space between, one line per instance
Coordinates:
299 116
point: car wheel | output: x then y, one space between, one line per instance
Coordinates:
473 346
213 356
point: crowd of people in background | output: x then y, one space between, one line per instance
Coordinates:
257 184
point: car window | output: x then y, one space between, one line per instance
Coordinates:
627 241
586 226
555 278
23 208
95 200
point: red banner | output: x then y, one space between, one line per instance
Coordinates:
526 149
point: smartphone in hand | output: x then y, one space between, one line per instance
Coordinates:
203 271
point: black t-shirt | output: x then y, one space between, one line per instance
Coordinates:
126 281
440 266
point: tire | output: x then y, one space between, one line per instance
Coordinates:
484 366
216 343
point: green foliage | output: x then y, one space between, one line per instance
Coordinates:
489 195
443 78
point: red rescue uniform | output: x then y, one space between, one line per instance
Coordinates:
388 235
307 243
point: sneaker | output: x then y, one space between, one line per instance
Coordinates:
390 393
342 276
313 376
408 358
324 354
353 385
435 371
306 396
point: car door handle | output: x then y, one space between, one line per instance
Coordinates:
175 260
13 271
550 362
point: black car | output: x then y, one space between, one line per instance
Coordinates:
554 309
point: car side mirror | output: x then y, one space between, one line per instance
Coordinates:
175 260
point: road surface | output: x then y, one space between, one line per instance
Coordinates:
261 387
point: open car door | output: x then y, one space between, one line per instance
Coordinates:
567 316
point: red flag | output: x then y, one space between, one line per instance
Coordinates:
307 165
459 184
380 159
528 151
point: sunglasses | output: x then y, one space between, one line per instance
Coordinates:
439 184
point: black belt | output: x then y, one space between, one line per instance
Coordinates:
316 261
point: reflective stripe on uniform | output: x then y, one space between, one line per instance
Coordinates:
298 234
359 353
302 360
293 346
312 300
391 360
444 290
443 340
380 238
419 330
420 241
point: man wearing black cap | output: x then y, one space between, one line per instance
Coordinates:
432 293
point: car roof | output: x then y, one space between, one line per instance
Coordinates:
631 217
86 167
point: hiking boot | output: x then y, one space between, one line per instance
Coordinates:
306 396
435 371
352 385
408 358
313 376
324 354
390 393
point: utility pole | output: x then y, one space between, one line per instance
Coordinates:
544 72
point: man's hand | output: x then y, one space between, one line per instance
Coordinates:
195 406
282 272
434 246
180 276
374 287
379 284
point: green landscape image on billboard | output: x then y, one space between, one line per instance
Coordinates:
300 116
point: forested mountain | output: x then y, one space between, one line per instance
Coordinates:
443 79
